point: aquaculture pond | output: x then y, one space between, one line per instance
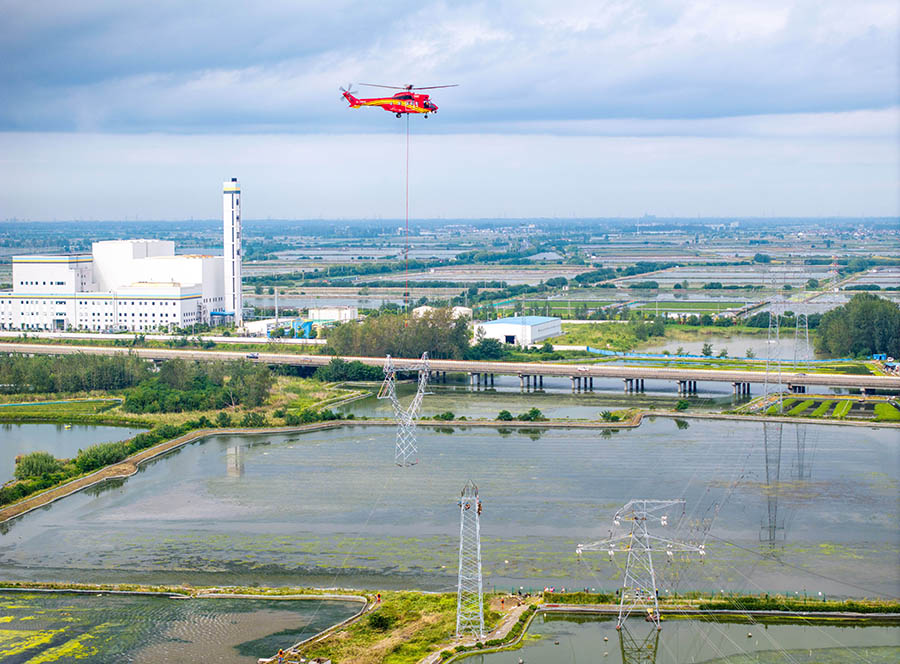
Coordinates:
737 345
69 627
63 443
799 509
577 639
556 399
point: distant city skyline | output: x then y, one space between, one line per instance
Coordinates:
565 109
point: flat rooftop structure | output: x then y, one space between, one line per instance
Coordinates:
521 320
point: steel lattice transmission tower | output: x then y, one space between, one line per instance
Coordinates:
802 350
773 350
406 453
469 599
639 589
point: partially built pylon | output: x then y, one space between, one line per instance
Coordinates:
406 453
469 590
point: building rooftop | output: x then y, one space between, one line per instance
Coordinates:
520 320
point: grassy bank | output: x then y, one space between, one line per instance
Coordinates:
403 629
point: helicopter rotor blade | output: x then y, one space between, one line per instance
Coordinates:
389 87
435 87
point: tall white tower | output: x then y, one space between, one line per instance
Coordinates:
231 217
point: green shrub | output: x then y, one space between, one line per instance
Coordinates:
446 416
533 415
223 419
253 419
505 416
380 621
340 370
683 404
36 464
100 455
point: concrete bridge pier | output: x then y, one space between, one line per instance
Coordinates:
797 389
521 382
591 383
540 379
629 384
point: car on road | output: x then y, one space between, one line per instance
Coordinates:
252 356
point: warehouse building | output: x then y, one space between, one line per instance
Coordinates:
519 330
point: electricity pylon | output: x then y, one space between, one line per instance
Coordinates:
469 596
773 355
406 451
802 350
639 587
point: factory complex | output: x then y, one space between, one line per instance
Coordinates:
143 286
129 285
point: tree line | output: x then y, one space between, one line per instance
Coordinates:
867 324
435 332
20 374
177 385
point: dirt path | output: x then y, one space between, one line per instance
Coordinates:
499 632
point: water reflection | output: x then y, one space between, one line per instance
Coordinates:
234 461
581 639
639 649
772 529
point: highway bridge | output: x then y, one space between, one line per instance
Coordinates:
531 374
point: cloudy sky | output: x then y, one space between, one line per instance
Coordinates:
113 110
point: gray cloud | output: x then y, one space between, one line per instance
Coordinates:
240 67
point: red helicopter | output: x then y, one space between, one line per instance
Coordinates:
401 103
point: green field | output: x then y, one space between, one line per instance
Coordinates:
822 408
841 410
800 407
704 306
885 412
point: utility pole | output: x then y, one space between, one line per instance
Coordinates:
469 597
639 589
406 453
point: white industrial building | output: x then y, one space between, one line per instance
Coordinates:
133 285
332 314
519 330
